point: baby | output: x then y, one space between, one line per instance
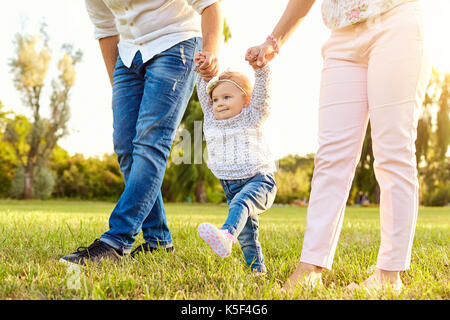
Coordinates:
238 155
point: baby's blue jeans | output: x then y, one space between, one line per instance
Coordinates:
247 198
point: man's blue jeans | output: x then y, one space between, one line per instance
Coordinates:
247 198
149 100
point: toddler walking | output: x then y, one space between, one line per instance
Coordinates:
239 156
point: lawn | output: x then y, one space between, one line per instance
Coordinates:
35 234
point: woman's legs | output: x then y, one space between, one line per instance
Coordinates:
398 73
343 116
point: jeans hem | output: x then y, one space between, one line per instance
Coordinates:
159 244
115 244
261 268
231 230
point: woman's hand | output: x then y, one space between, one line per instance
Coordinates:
294 13
260 55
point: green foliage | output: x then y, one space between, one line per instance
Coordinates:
92 178
294 178
226 31
191 179
435 181
443 123
7 157
42 186
364 180
18 184
44 183
433 135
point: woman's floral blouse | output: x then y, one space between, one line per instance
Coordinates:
341 13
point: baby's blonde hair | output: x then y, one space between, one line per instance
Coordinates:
238 77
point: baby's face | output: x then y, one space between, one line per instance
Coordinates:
228 101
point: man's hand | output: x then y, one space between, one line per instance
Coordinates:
199 58
108 46
207 65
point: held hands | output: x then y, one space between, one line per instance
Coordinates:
259 56
207 65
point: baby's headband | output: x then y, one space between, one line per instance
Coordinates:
216 80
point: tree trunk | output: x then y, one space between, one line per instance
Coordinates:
376 194
28 182
200 193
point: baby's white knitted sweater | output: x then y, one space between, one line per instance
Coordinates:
237 147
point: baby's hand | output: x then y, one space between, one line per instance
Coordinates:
199 59
251 56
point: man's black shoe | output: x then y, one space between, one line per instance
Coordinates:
97 251
145 247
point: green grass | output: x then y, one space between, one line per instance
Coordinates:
35 234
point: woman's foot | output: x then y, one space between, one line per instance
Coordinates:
219 240
305 274
379 280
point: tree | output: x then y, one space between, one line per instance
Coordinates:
443 123
29 68
294 178
432 142
425 125
364 180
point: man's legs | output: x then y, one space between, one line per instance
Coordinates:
169 81
128 89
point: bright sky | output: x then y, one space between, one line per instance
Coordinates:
296 71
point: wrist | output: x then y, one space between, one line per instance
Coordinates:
212 51
262 70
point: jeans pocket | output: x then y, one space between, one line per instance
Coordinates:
187 50
171 68
226 189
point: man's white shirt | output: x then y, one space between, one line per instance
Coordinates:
148 26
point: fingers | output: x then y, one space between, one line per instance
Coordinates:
208 61
256 57
208 65
199 55
209 73
251 54
261 60
260 55
199 58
